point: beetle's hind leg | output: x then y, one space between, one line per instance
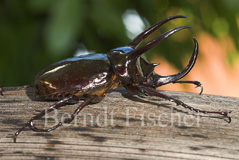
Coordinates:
41 114
178 102
197 83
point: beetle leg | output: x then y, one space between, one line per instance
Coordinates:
76 112
137 40
67 120
133 90
178 102
38 116
197 83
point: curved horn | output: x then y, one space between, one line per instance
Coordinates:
137 52
136 41
162 80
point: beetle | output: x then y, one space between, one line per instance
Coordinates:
90 77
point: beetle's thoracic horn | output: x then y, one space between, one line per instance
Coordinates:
136 41
162 80
137 52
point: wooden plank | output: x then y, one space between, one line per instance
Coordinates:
122 127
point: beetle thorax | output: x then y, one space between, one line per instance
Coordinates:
127 70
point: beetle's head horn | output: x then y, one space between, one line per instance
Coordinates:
135 53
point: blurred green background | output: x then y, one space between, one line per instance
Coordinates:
37 33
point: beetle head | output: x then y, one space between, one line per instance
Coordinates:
125 61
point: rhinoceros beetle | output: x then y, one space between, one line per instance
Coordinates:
90 77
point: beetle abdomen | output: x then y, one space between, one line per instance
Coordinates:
76 76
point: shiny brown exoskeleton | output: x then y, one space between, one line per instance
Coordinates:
91 76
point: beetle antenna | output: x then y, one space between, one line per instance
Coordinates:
137 40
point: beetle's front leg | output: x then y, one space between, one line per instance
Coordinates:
178 102
197 83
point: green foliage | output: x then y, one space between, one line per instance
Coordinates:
36 33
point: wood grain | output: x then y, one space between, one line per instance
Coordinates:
122 127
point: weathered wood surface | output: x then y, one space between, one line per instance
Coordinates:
123 128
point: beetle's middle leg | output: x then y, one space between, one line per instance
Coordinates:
76 112
178 102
